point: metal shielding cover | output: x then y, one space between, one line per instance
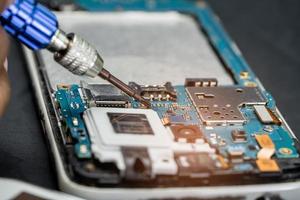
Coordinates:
107 143
101 129
220 105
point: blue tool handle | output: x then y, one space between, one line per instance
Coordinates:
31 23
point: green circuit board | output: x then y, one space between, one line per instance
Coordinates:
224 143
196 134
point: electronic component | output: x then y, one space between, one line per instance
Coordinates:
75 121
236 153
71 106
265 115
128 123
191 164
106 75
104 95
201 82
164 92
220 105
137 162
101 122
239 136
267 165
113 129
162 161
244 75
186 133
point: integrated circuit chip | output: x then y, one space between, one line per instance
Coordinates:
130 123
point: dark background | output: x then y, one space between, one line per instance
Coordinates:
267 32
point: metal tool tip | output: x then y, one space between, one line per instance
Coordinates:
123 87
146 103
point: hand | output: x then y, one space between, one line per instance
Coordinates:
4 82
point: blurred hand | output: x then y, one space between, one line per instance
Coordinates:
4 82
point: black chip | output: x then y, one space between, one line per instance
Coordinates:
129 123
103 95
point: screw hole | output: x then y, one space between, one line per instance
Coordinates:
216 113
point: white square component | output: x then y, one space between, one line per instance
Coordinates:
263 114
110 129
126 127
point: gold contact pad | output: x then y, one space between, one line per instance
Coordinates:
265 141
267 165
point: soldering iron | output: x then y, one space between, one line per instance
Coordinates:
37 27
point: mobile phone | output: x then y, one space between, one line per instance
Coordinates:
212 130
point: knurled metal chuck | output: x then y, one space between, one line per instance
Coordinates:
80 57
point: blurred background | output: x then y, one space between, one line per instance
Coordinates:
266 31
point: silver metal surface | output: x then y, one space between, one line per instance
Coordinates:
107 143
80 58
263 114
148 48
220 105
59 42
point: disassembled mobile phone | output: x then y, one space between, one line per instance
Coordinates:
212 130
